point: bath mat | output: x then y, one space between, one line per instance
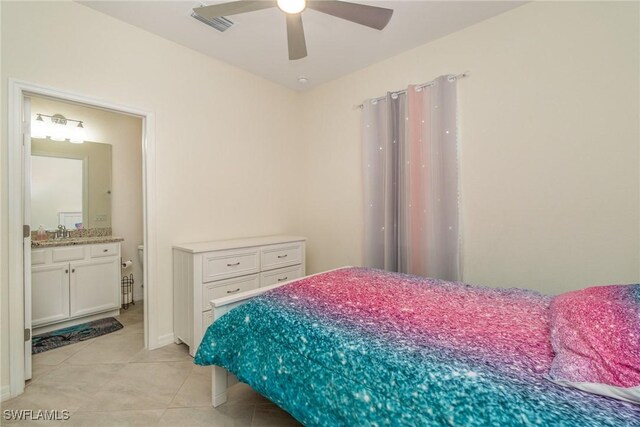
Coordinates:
74 334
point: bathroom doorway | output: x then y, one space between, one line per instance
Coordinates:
129 189
86 217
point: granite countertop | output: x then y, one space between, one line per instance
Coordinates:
75 241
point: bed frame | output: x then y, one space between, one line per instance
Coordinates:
221 379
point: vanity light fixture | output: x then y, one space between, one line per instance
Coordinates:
58 129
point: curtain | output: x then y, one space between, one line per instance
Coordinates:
411 181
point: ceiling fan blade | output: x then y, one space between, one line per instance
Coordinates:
295 37
232 8
370 16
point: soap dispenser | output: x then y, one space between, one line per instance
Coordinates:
42 235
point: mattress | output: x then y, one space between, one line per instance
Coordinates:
360 346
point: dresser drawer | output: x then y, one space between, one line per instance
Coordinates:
277 256
225 288
108 249
280 275
220 265
68 253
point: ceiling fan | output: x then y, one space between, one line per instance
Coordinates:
370 16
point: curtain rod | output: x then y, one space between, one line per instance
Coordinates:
418 88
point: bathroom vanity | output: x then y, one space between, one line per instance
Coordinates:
74 281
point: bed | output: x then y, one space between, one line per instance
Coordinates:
358 346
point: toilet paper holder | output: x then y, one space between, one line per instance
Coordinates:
127 291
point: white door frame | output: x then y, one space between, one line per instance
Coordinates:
26 240
15 173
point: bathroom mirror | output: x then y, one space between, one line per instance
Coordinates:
70 184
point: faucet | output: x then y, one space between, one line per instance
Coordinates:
62 232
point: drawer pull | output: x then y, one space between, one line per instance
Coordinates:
283 279
282 256
66 271
233 265
105 250
73 270
233 292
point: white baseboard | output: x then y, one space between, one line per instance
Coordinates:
5 393
165 339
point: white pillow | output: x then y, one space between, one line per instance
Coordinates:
630 394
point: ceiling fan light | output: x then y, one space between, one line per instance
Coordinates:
292 6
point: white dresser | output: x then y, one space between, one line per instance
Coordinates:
209 270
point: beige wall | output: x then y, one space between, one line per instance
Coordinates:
123 133
225 139
549 125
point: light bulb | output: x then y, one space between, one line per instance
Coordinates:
292 6
58 129
77 136
38 128
57 132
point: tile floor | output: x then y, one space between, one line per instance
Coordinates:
113 381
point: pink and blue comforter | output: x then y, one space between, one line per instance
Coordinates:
356 346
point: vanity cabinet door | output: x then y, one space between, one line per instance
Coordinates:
94 286
49 293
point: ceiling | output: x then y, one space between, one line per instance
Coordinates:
257 42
